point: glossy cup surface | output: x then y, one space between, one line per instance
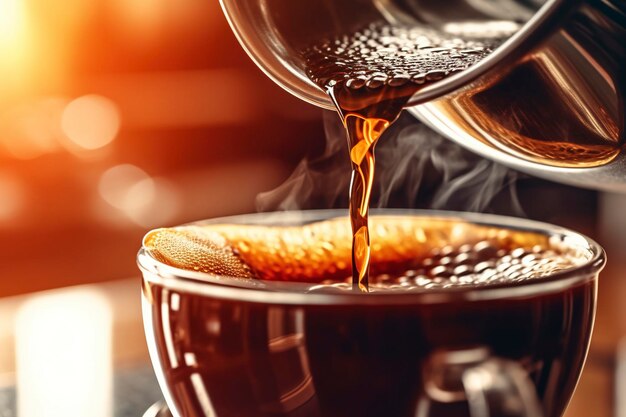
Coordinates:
225 348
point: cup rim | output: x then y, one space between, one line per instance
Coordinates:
292 293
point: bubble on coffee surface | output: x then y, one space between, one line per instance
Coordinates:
382 55
468 265
408 253
201 251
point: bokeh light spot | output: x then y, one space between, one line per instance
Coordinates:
116 184
12 195
33 129
143 200
91 121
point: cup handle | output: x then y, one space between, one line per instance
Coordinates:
492 386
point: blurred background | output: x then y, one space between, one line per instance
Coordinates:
117 116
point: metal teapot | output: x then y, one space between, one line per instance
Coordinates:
549 101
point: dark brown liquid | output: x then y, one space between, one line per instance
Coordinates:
267 358
370 75
276 360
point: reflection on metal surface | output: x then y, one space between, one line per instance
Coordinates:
202 395
266 359
544 111
490 385
287 351
158 410
63 347
558 107
167 330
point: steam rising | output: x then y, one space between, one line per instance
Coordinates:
415 168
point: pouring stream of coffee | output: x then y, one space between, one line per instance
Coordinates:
370 75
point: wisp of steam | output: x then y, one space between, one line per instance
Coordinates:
415 168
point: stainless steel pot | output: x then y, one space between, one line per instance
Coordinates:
548 101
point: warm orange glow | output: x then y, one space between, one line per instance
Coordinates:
14 43
12 195
141 16
12 20
50 124
33 128
91 122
